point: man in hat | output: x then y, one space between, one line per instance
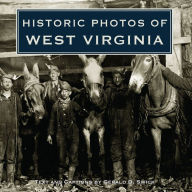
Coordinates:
63 125
52 87
121 117
10 110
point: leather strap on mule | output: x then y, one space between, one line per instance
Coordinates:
170 103
168 107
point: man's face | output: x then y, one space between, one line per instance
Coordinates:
6 84
65 94
54 75
117 79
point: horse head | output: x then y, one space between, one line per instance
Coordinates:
33 92
144 68
93 78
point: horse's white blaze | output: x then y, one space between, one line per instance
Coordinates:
93 71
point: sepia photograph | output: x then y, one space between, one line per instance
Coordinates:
105 122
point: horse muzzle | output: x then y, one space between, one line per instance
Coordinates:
136 83
39 112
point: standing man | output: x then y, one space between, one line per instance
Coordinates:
120 112
10 110
52 87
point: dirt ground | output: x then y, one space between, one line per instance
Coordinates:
167 185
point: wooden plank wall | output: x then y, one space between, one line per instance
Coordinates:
174 60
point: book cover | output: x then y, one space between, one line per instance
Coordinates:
89 100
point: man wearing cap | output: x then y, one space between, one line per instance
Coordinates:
121 117
63 125
10 110
52 87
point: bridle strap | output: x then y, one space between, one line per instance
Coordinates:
30 109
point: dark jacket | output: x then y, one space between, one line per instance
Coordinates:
177 81
119 98
63 118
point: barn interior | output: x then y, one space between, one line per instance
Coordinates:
180 61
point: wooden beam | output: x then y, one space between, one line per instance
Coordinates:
14 54
11 6
182 40
80 70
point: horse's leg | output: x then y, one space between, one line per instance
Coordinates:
35 156
87 134
102 152
156 134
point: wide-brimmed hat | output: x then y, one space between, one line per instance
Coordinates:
8 76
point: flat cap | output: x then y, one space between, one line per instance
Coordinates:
64 85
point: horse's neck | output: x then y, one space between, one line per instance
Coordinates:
156 89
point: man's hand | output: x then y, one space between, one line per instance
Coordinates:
162 67
49 140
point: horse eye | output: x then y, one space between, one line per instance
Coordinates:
148 59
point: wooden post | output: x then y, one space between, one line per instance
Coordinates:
174 60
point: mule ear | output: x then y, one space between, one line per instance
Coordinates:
83 59
36 70
26 72
133 63
100 59
2 72
48 66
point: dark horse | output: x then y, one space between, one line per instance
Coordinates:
94 102
33 97
159 100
